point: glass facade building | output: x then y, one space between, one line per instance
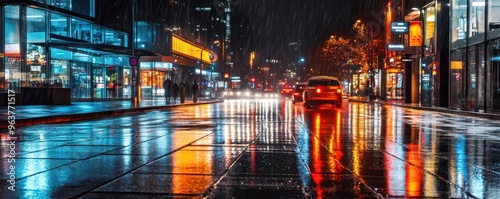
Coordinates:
49 43
474 56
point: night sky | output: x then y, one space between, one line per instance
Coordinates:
264 26
273 24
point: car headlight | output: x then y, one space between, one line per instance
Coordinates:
247 93
207 93
238 93
224 93
231 93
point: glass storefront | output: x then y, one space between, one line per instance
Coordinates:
457 91
493 75
11 76
394 84
473 71
152 76
88 72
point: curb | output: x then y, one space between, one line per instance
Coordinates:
491 116
55 119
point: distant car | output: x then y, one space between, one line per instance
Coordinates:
238 94
297 91
287 91
322 90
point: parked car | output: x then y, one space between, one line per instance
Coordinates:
297 91
322 90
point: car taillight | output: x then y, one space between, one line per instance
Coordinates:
318 90
339 90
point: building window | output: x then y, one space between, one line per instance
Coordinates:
458 21
477 17
493 15
11 77
58 24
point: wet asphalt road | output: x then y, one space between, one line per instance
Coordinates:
259 149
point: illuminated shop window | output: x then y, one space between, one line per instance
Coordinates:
11 77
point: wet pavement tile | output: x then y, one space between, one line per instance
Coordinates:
338 186
233 148
244 192
23 147
159 146
192 162
113 195
78 177
28 167
159 183
272 147
28 194
262 181
220 140
69 152
265 163
126 141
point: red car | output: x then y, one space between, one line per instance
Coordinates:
287 91
297 92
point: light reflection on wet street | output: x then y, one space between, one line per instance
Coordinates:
260 149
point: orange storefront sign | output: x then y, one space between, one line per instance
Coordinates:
416 33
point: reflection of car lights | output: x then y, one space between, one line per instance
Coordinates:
231 93
224 93
247 93
276 95
266 95
207 93
257 95
238 93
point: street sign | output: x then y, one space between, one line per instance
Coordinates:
213 57
133 61
395 47
399 27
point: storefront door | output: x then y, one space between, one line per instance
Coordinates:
98 80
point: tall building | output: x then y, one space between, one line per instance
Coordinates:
57 44
474 75
56 52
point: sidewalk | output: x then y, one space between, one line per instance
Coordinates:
401 103
47 114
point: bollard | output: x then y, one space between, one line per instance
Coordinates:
183 93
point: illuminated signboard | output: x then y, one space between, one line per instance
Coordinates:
399 27
416 33
395 47
183 47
